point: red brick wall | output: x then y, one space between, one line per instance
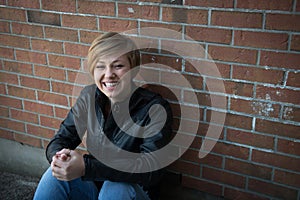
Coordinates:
255 44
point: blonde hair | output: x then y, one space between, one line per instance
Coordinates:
112 43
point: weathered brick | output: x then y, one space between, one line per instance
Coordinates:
185 168
236 19
14 41
7 53
87 37
13 14
32 57
248 168
173 62
35 83
257 74
293 79
175 79
210 3
49 72
64 61
272 189
291 113
117 25
209 34
96 8
47 46
24 116
10 102
82 22
138 11
43 18
50 122
12 125
232 193
277 128
4 27
174 27
248 138
6 134
29 140
289 22
231 150
61 34
60 112
26 4
4 112
261 39
288 146
287 178
53 98
278 59
278 94
277 160
76 49
21 92
231 54
40 131
80 78
182 15
295 43
210 159
38 108
62 5
20 68
286 5
9 78
63 88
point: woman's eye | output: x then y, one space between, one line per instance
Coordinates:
119 66
100 66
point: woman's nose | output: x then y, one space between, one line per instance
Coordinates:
109 72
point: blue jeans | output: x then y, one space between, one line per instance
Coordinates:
54 189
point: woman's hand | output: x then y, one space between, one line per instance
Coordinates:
67 165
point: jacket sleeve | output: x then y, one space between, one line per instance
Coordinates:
95 169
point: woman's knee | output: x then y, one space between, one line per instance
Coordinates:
117 190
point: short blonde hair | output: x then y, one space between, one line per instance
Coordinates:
109 44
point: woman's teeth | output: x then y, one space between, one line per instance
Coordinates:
111 84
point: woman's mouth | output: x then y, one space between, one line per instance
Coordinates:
110 85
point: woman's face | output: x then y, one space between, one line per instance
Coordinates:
108 73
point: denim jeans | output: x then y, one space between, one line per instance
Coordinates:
54 189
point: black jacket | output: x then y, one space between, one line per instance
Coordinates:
120 146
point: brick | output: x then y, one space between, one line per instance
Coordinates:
87 37
272 189
21 92
80 78
257 74
278 59
202 185
63 88
82 22
291 113
286 5
9 78
287 178
61 34
14 41
35 83
4 112
148 75
207 68
53 98
47 46
230 54
231 150
12 125
49 72
174 27
9 135
248 138
288 146
50 122
7 53
20 68
182 15
209 34
278 94
288 22
38 108
138 11
60 112
230 193
248 168
117 25
62 6
295 43
261 39
96 8
24 116
43 18
173 79
185 168
3 88
64 61
223 177
173 62
27 139
32 57
210 159
260 108
13 14
236 19
204 99
293 79
165 92
40 131
210 3
26 4
4 27
276 160
76 49
277 128
10 102
182 48
27 29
